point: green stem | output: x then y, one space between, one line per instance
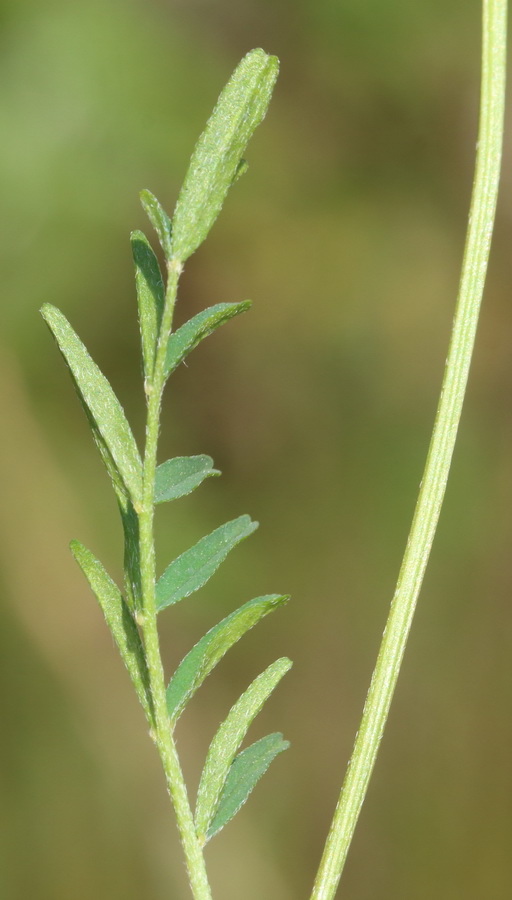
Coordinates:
148 619
426 515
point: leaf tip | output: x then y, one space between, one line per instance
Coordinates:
145 196
78 550
159 220
249 524
280 599
47 310
265 60
245 522
282 666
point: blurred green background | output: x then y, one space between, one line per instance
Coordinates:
347 233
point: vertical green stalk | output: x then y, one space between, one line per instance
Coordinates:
148 620
428 507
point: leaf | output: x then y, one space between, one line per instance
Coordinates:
227 741
246 770
179 476
216 159
182 341
132 569
159 220
150 297
192 569
108 422
120 622
199 662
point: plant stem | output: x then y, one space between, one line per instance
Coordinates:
148 619
428 507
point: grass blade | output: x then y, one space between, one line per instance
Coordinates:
227 741
246 770
110 427
182 341
159 220
120 622
199 662
216 159
195 567
150 297
180 476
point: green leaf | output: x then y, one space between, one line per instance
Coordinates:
216 159
182 341
199 662
106 417
120 622
193 568
159 220
179 476
227 741
150 297
246 770
132 568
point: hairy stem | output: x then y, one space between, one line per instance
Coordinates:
148 619
435 476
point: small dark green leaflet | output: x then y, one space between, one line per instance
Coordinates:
195 567
204 656
180 476
186 338
245 771
132 572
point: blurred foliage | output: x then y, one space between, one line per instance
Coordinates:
347 233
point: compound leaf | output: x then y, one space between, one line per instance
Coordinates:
182 341
216 160
192 569
246 770
119 620
227 741
179 476
204 656
109 425
159 220
150 297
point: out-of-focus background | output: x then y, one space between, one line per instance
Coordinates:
317 405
